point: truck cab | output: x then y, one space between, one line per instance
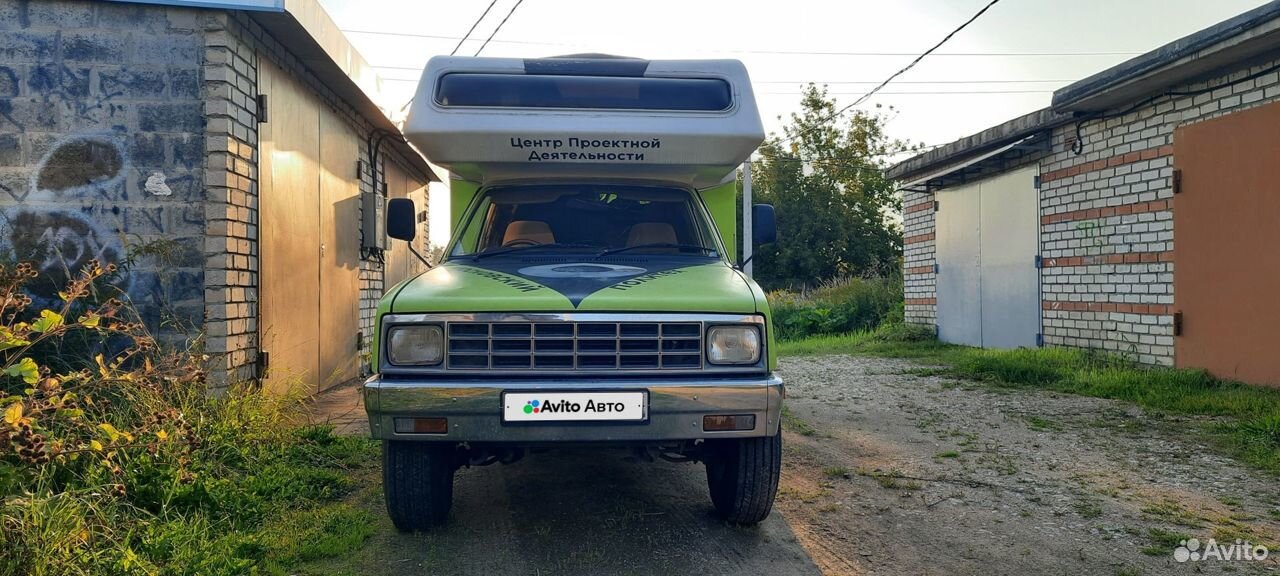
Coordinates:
589 296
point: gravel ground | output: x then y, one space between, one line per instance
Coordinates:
884 473
1002 482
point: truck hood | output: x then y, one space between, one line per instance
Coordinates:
558 284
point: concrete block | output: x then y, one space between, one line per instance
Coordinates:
170 118
94 46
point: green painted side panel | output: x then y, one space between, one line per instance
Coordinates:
461 193
762 307
706 288
721 201
454 287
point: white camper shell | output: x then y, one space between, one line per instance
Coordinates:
491 120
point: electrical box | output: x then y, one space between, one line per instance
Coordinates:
373 215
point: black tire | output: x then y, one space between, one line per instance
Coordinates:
417 480
743 477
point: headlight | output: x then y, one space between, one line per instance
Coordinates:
415 345
733 345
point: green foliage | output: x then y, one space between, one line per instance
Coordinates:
836 307
834 205
119 462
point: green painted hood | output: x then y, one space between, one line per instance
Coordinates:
632 285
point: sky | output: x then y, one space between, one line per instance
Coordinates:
1005 64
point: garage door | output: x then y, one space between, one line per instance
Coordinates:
1225 236
309 240
987 239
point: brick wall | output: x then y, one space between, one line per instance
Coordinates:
231 156
919 279
1107 220
101 149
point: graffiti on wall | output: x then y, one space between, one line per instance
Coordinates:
45 228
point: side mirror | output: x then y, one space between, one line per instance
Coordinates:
764 228
402 219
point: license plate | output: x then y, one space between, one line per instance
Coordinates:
574 406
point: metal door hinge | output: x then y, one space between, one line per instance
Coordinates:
1036 182
1039 262
936 268
935 205
359 340
262 108
1177 323
1039 340
261 365
1177 181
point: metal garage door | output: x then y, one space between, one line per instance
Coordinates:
987 239
289 267
1225 237
959 257
309 244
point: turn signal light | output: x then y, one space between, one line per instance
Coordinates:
422 425
729 422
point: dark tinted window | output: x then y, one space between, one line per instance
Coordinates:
602 92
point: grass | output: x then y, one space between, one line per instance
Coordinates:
1243 418
793 423
1163 541
1043 424
892 480
836 472
947 454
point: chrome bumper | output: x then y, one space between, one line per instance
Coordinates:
474 408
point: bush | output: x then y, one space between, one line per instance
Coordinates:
837 307
117 461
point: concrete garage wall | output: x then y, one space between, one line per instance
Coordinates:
129 134
101 148
1107 220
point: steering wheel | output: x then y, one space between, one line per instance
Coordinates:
517 242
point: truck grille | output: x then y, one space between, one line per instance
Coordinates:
574 346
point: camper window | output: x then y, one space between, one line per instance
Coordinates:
590 92
588 219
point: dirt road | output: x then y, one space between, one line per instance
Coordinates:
885 473
899 474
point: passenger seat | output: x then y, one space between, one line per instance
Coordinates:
528 231
651 233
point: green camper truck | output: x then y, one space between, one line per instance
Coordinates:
589 296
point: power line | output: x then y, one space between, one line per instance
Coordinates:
495 30
774 52
473 27
461 40
904 70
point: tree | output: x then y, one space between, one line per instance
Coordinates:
836 211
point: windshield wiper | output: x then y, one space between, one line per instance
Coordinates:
511 249
656 245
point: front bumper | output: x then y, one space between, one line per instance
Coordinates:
474 408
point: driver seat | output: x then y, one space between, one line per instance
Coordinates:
534 231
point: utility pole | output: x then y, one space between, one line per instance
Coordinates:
746 216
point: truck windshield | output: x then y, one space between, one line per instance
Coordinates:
592 219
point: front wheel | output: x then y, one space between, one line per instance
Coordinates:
743 477
417 480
